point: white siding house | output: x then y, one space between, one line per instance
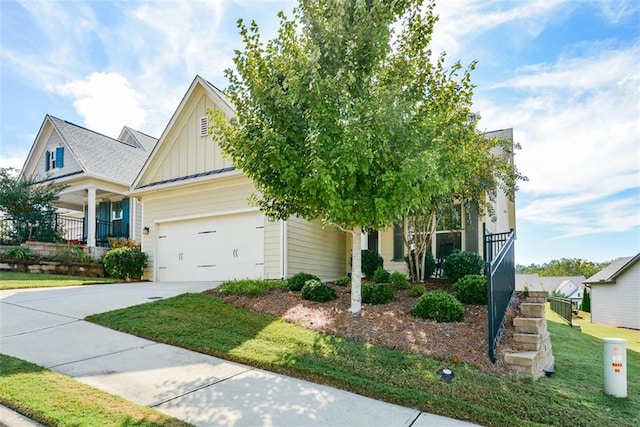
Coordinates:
615 293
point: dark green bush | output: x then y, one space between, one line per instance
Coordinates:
17 253
371 260
125 263
315 290
297 281
439 306
471 289
462 263
429 265
343 281
586 302
381 275
377 294
398 280
417 290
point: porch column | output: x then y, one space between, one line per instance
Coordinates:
91 217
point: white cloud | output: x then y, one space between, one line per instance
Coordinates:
106 102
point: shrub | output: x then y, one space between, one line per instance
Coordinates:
381 275
398 280
122 242
250 287
429 265
315 290
17 253
586 302
125 263
297 281
439 306
343 281
418 290
377 294
371 260
461 263
471 289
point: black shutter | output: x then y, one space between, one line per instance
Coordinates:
47 158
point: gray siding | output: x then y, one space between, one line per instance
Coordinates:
618 304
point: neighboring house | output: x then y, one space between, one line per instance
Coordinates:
615 293
570 286
98 172
199 224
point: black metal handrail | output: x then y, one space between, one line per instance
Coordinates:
41 226
500 269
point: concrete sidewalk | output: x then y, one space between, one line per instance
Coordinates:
45 326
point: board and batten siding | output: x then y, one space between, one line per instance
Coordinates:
184 151
211 198
616 304
315 249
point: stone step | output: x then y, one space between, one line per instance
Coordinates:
529 342
530 326
523 358
532 310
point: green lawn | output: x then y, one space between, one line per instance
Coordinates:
11 280
574 395
601 331
54 399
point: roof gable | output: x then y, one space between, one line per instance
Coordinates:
136 138
86 151
610 273
182 153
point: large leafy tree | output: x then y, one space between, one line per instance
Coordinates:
347 116
30 204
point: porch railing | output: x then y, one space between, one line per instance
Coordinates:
43 227
563 307
501 282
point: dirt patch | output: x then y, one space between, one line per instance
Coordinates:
389 325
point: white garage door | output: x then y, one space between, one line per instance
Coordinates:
216 248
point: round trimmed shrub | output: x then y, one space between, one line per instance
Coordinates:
343 281
377 294
381 275
471 289
462 263
371 260
418 290
439 306
398 280
297 281
315 290
125 263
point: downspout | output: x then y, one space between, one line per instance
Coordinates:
283 249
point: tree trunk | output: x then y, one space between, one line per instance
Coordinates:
356 270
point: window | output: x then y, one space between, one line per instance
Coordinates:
398 243
372 241
204 126
116 210
54 159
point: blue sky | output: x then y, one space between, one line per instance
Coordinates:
565 74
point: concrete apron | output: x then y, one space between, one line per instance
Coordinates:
44 327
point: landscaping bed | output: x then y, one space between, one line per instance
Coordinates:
390 325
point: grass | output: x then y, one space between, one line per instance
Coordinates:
574 395
602 331
54 399
12 280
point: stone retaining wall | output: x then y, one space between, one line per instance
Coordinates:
51 267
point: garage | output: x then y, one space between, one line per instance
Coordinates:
213 248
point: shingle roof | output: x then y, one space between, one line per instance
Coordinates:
147 142
100 155
613 270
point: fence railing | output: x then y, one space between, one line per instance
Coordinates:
42 226
501 282
563 307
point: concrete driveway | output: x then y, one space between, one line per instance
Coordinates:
45 326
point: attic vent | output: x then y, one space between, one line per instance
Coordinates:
204 126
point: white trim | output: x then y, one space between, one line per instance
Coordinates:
284 249
185 182
209 215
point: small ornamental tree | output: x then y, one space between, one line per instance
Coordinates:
346 116
586 302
